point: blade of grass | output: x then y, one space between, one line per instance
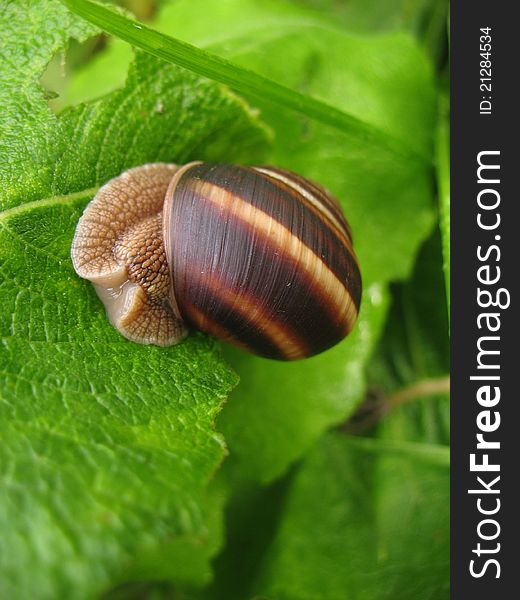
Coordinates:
240 79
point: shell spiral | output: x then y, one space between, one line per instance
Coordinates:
260 257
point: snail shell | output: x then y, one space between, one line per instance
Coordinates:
257 256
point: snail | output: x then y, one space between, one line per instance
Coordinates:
258 256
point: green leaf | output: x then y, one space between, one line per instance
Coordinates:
348 526
409 370
376 15
279 410
252 516
107 446
425 19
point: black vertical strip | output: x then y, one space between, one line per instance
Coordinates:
484 118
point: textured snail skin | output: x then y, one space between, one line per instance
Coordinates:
118 246
257 256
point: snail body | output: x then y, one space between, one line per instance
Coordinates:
257 256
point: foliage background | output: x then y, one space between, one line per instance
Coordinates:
199 472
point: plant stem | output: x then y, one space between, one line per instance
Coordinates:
374 409
426 387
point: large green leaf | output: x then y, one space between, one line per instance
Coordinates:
107 446
279 410
362 520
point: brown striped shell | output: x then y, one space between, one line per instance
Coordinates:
257 256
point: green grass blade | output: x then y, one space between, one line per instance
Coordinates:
240 79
